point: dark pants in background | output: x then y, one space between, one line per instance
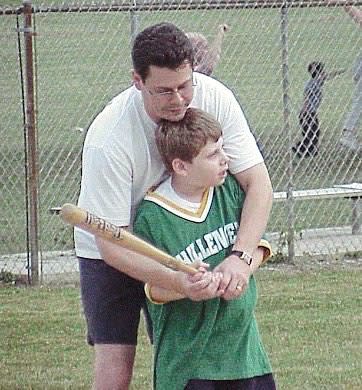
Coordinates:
308 146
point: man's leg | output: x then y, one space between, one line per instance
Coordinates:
113 366
112 303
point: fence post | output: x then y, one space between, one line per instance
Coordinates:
32 143
134 20
287 129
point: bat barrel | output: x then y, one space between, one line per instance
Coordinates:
93 224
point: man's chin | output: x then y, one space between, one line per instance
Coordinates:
175 116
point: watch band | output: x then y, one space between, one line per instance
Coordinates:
243 256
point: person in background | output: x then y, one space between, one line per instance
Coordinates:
120 162
308 116
212 344
207 56
349 138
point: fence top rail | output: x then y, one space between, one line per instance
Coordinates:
353 190
169 5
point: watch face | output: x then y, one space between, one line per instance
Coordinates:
245 257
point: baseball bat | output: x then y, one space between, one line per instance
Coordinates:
98 226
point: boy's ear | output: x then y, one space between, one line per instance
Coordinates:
179 167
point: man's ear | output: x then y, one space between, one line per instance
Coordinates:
179 167
137 81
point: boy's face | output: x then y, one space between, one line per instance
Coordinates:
167 93
209 167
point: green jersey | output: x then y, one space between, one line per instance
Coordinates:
213 339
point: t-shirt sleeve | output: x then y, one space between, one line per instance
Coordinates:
107 185
239 143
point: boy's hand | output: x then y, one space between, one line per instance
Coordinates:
201 286
235 280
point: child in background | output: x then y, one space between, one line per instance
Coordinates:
213 344
308 116
207 56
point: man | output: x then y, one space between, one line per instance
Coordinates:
121 162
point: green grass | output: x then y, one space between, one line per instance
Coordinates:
82 60
309 321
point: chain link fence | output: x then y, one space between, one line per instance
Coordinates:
82 59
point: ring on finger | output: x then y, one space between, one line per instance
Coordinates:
239 288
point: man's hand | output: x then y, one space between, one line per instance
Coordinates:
235 280
201 286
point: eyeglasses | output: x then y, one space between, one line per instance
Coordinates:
184 91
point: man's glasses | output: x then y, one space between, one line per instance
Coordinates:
184 91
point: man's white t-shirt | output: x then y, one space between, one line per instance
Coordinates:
121 161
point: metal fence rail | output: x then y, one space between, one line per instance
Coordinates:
81 59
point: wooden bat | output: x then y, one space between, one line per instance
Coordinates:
93 224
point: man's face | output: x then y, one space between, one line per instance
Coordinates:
209 167
166 93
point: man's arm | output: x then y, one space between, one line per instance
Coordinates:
159 295
257 186
145 269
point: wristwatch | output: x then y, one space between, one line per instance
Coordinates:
243 256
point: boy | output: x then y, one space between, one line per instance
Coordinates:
193 215
308 116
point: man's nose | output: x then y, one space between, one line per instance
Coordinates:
224 157
177 96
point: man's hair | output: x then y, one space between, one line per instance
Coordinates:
163 45
185 139
315 68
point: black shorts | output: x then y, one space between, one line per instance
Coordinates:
112 302
263 382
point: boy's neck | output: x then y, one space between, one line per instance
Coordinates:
186 190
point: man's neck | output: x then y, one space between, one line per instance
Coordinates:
186 190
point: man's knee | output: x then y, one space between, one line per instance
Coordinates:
113 366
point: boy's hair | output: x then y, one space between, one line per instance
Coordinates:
185 139
315 68
163 45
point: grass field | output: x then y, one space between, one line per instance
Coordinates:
309 320
82 60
